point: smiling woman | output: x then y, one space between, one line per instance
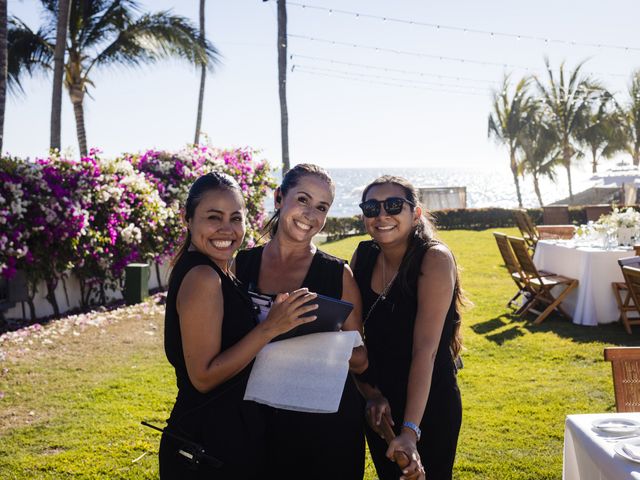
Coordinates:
328 445
410 291
211 337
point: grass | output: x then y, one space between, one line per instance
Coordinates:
73 402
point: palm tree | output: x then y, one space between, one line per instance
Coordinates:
602 133
103 33
3 66
567 103
203 77
58 73
632 119
507 121
282 83
538 143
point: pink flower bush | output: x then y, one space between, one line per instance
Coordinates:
173 174
93 216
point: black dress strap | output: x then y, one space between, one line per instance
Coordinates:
366 253
248 266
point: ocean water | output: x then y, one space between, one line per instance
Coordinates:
485 188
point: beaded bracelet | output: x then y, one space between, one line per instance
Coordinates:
414 427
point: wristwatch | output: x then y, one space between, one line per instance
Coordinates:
414 427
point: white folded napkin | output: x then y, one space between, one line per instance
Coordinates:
305 373
632 450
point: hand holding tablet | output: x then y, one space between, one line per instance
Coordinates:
331 313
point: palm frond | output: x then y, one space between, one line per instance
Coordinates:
28 52
158 36
112 17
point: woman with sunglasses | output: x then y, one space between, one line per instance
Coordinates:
411 294
309 445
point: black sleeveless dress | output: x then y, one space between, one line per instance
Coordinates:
312 445
388 335
229 428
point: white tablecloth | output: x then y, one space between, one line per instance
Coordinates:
588 456
595 268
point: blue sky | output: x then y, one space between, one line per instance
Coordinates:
336 122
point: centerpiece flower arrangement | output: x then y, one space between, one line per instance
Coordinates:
624 222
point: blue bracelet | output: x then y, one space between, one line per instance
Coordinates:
415 428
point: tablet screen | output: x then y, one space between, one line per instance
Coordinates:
331 313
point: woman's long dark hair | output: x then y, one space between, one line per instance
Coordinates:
422 238
290 180
206 183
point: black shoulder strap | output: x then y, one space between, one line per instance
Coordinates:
364 266
248 266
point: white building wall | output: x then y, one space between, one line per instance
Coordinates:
44 308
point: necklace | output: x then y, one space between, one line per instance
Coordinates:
383 294
386 286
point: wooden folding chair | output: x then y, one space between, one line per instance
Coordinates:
513 267
527 228
541 285
555 215
625 365
627 294
623 296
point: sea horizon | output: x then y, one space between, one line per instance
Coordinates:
485 188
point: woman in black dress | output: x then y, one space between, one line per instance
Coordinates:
411 294
308 445
211 338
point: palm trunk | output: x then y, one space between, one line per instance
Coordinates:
282 83
203 76
77 96
516 181
58 72
567 164
536 188
3 67
594 161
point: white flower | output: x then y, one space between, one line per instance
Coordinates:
628 218
131 234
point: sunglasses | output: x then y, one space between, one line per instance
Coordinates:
392 205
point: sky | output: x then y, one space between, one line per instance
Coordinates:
345 110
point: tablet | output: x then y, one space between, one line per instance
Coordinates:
331 313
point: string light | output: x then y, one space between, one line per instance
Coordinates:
387 69
476 31
389 84
404 52
434 56
383 77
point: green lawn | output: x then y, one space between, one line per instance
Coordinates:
72 397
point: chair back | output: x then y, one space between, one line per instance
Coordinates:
625 365
629 262
594 212
520 250
510 260
526 226
520 222
555 215
632 279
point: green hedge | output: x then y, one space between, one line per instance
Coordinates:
454 219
